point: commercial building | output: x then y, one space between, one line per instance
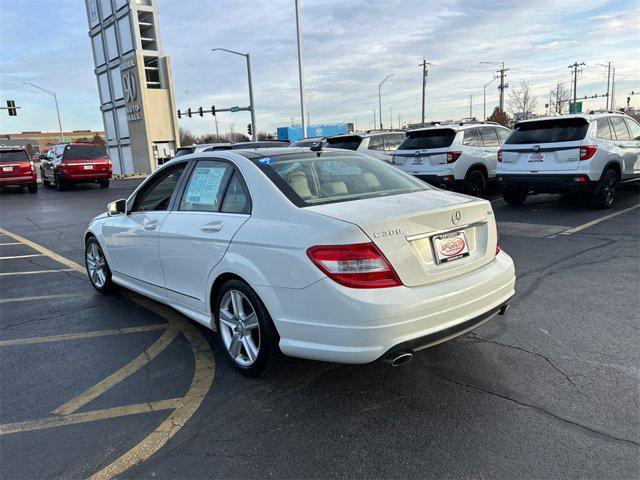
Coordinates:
42 141
134 83
322 130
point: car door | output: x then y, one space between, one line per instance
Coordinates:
194 237
491 145
626 146
133 238
634 131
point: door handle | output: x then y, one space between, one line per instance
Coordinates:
212 227
151 226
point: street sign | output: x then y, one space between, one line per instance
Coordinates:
575 107
234 109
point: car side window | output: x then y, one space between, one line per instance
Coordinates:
376 142
620 129
393 141
603 129
489 137
471 138
156 195
503 134
634 128
236 198
206 186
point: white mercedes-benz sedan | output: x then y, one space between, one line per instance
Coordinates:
328 255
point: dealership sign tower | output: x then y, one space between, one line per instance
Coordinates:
134 82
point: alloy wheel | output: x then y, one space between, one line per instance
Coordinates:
610 187
96 265
476 184
239 328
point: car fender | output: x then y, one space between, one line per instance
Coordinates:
95 229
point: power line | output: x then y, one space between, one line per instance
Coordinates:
575 78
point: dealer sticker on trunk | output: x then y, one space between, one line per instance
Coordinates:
450 246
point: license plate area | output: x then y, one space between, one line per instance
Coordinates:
448 247
536 157
417 161
87 167
7 169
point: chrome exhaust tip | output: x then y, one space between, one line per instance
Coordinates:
399 358
504 308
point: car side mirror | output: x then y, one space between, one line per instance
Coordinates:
117 207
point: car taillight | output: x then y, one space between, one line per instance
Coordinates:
453 156
587 152
500 155
360 265
497 240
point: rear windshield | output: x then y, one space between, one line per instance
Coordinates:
549 131
13 156
306 143
432 138
347 143
318 178
184 151
83 152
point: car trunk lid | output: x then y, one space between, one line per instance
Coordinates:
15 163
403 227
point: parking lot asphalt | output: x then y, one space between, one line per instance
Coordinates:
119 385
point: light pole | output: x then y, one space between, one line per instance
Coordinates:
55 99
502 71
252 107
300 70
380 98
484 97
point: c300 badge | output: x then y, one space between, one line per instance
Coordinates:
388 233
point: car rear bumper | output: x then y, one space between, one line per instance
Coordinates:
22 180
85 177
547 183
329 322
440 181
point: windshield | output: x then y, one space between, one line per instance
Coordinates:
13 156
347 143
84 152
329 177
549 131
425 139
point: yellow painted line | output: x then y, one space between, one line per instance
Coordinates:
78 336
9 243
36 272
13 257
200 385
45 251
596 221
91 416
136 364
40 297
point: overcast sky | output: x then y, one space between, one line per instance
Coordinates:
349 47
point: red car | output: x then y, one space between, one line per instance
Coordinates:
69 163
17 169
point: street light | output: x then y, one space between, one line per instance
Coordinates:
300 72
502 84
484 97
252 107
53 94
380 98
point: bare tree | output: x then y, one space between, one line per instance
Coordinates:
265 136
522 100
560 97
186 137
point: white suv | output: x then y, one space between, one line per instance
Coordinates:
461 155
583 153
380 145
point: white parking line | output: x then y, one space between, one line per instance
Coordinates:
35 272
22 256
594 222
10 243
40 297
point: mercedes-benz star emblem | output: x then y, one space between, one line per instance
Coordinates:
536 148
456 217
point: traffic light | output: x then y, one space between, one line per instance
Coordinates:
11 107
179 114
213 110
189 112
200 111
249 131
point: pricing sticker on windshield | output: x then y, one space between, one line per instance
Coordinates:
450 246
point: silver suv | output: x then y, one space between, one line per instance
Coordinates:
460 155
380 145
584 153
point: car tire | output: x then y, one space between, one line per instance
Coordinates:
97 266
32 188
60 183
604 194
475 182
247 335
104 183
515 196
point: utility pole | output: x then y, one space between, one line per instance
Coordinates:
391 117
217 132
300 70
608 83
613 87
470 107
575 80
425 74
502 71
374 119
380 98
